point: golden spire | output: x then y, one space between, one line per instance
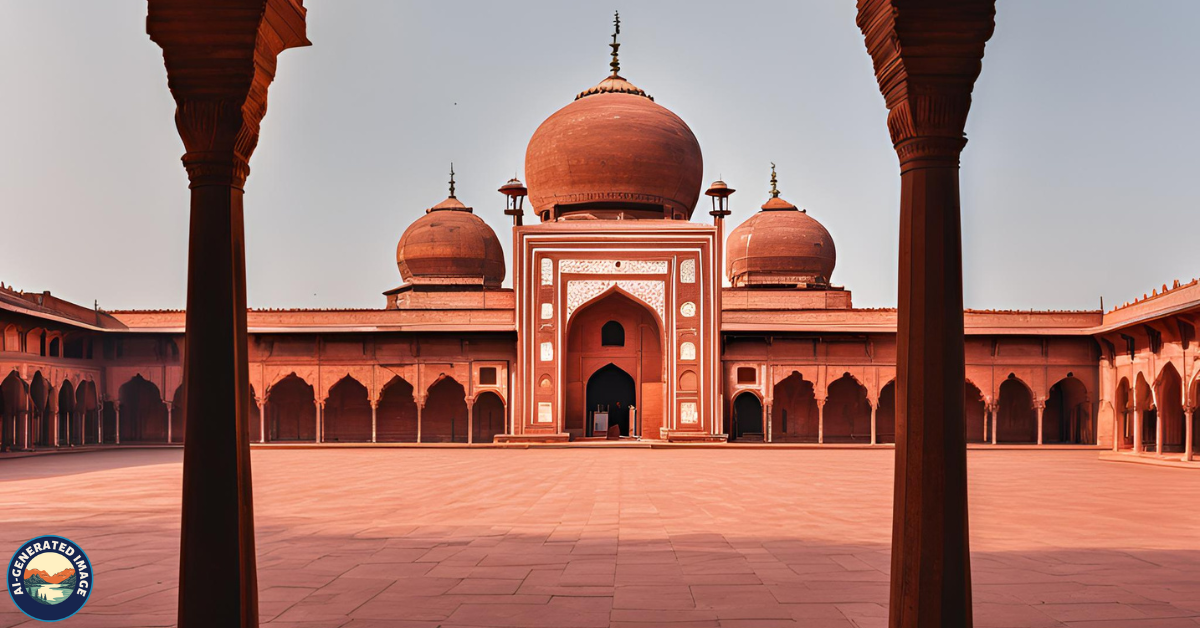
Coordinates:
774 182
616 63
452 180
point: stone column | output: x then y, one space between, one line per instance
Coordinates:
1158 431
1118 428
471 421
1189 432
374 411
220 59
1040 406
874 409
927 55
262 420
117 423
420 407
767 407
320 421
170 411
821 420
1137 429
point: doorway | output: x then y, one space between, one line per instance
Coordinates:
613 390
747 418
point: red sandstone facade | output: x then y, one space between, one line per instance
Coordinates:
617 304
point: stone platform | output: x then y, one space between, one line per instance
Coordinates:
677 537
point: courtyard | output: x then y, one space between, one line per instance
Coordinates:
625 537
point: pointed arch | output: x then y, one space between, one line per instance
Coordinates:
885 414
794 413
444 417
66 413
291 410
641 357
1123 414
747 417
1169 408
12 339
1143 403
847 412
613 390
1068 417
14 411
91 410
396 415
179 414
488 417
35 341
143 413
347 412
1016 417
39 408
975 413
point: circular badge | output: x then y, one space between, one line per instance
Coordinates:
49 578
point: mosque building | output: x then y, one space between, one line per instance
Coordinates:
617 321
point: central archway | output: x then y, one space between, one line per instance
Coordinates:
613 390
636 352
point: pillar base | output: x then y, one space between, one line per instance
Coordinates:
676 436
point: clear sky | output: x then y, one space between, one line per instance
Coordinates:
1079 180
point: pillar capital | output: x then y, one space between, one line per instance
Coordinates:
927 56
220 61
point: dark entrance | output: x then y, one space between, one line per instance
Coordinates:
613 390
747 418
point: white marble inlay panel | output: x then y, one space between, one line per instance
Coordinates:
687 412
547 352
547 271
545 412
687 271
687 351
652 293
612 267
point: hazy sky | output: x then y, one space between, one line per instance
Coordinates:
1080 178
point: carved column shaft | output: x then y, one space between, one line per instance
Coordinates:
927 55
220 60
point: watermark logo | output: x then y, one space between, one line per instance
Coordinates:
49 578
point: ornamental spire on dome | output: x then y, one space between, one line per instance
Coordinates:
775 203
614 83
616 62
451 203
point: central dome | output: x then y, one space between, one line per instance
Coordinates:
614 150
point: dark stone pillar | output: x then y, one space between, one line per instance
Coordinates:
220 60
927 55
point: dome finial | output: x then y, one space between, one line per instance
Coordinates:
452 180
616 63
774 182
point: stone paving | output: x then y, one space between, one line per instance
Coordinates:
686 538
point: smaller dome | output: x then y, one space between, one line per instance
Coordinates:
450 245
780 246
